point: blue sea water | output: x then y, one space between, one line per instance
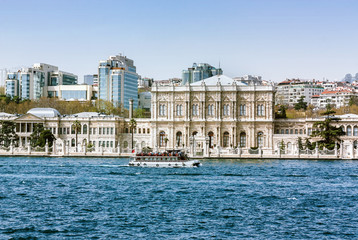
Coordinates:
101 198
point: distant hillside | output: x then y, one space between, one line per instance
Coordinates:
349 78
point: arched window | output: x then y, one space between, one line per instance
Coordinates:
195 110
194 133
211 135
226 137
355 144
179 138
125 144
242 110
242 139
260 110
148 131
85 129
349 131
162 139
289 146
142 144
226 110
210 110
179 110
139 130
162 110
73 142
355 131
260 139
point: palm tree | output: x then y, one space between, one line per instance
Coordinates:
77 127
132 125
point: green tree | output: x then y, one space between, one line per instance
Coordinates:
46 136
300 143
76 126
40 136
8 133
301 104
35 135
328 133
353 101
282 146
139 113
309 145
132 126
281 113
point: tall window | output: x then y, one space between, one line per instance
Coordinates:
85 129
242 139
211 135
242 110
162 110
195 110
211 110
226 110
355 131
226 139
260 110
162 139
349 131
179 138
179 110
260 139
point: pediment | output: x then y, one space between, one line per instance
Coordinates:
162 99
211 99
195 99
179 98
28 117
226 99
262 98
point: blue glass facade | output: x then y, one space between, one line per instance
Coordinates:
199 72
39 83
25 86
130 90
78 94
103 82
116 88
118 81
10 87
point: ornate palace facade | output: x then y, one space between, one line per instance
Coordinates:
225 112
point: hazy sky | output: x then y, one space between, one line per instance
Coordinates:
276 39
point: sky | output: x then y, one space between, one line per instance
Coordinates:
275 39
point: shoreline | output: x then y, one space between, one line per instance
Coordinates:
315 158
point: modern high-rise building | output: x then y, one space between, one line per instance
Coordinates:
118 81
90 79
33 83
199 72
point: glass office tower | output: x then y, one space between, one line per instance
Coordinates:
199 72
118 81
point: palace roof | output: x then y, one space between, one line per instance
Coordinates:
44 112
214 80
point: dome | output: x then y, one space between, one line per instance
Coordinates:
44 112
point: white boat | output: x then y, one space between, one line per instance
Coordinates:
170 159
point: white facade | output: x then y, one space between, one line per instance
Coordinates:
335 98
290 91
227 113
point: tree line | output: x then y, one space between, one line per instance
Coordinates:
15 105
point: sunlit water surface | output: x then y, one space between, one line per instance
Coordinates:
102 198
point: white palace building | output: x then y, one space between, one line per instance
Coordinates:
215 117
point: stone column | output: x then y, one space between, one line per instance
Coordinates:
130 108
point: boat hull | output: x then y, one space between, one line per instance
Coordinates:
172 164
